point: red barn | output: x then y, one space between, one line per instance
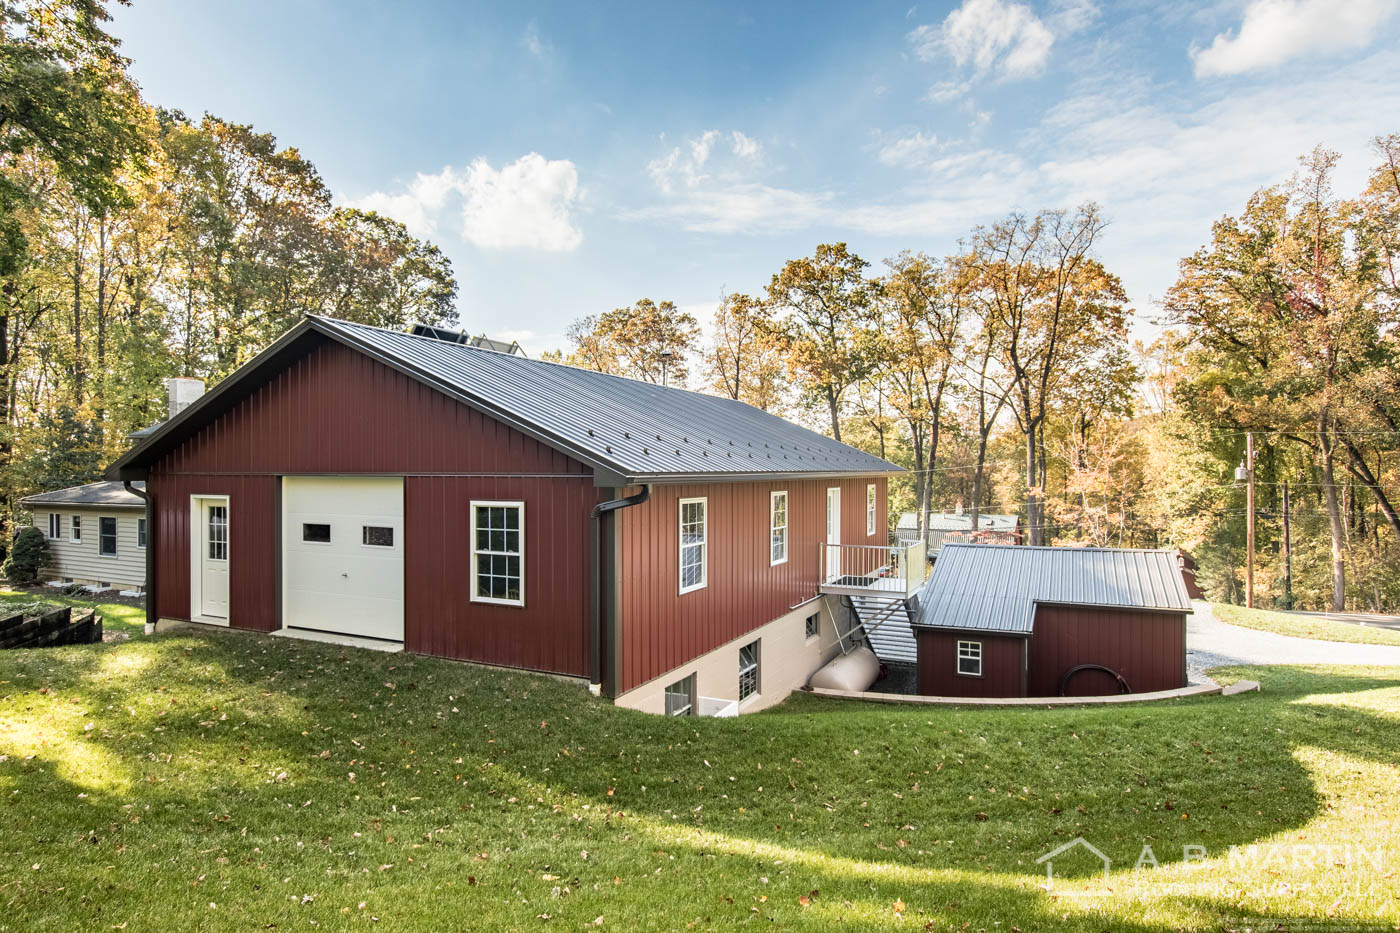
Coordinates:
400 491
1008 621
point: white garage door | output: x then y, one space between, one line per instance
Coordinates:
342 555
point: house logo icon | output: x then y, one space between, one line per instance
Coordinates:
1048 859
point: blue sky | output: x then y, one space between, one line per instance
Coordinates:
571 158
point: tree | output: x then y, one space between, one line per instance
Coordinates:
632 341
827 300
27 557
745 361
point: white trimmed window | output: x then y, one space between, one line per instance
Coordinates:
748 671
140 532
870 509
55 526
680 697
970 658
107 537
778 527
694 542
75 529
498 552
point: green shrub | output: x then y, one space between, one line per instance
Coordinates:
28 554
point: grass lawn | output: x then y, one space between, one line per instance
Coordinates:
116 617
220 781
1304 626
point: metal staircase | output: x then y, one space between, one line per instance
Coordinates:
883 622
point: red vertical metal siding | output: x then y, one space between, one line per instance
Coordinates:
662 628
338 411
1147 648
1002 665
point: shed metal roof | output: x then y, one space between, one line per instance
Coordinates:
995 588
633 431
105 494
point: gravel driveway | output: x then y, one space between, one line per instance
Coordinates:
1212 643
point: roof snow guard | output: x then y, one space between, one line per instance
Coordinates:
628 431
995 588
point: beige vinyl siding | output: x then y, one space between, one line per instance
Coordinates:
81 561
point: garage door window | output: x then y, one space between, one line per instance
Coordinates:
316 532
377 536
498 552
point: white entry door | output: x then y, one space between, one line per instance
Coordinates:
211 568
833 533
342 555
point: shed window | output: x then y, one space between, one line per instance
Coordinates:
694 544
55 526
377 535
140 532
748 671
680 697
498 552
870 509
316 532
75 531
107 536
778 527
970 658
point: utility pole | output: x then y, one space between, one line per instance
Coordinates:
1249 535
1287 552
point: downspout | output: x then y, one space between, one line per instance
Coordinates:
595 587
150 555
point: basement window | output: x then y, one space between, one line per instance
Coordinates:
970 658
107 537
680 697
814 625
498 552
55 526
748 671
316 532
694 544
377 536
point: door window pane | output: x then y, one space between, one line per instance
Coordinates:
218 532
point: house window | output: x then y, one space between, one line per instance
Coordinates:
680 697
107 537
870 509
55 526
75 531
218 532
970 658
498 552
748 671
814 625
778 528
140 532
694 532
377 536
316 532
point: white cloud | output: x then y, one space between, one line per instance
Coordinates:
992 36
690 166
908 150
532 42
1275 31
526 204
946 91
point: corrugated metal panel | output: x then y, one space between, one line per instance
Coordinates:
891 639
107 494
1147 648
1003 665
996 587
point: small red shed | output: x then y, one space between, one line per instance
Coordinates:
1010 621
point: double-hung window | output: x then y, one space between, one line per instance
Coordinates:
107 536
870 509
498 552
140 532
680 697
75 530
748 671
694 569
55 526
778 527
970 658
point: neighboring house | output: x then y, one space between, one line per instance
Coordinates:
1008 621
96 535
666 545
957 526
1187 563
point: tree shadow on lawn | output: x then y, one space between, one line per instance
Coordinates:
241 752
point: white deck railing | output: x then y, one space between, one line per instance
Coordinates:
862 569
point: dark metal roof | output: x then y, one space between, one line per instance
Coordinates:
628 430
105 494
457 336
995 588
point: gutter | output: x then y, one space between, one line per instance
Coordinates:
150 555
595 587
